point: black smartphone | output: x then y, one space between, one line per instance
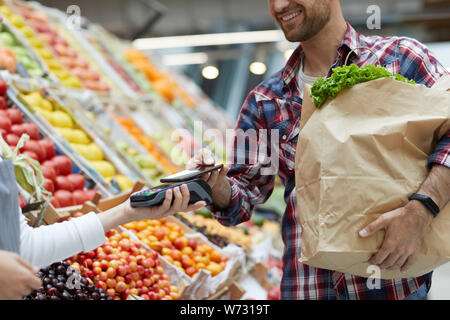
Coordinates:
187 175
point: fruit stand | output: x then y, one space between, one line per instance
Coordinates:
98 121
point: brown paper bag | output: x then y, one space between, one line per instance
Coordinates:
361 155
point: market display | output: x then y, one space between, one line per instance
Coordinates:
98 120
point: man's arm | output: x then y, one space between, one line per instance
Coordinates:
406 227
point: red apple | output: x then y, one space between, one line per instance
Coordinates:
5 124
64 198
63 183
33 145
31 129
15 115
77 181
49 147
64 165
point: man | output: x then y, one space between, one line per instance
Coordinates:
325 41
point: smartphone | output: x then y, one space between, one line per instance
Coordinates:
187 175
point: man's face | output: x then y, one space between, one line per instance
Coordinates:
300 20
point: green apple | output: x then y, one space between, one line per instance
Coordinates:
6 39
121 145
132 151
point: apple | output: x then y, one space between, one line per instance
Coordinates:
31 129
15 115
48 185
49 147
30 154
64 198
12 139
33 145
5 124
3 88
77 181
63 183
2 103
64 164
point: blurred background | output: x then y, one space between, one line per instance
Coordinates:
228 47
239 44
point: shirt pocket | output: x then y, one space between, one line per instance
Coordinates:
288 135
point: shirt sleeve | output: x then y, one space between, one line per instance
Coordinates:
48 244
249 180
421 65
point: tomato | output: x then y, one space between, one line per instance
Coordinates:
3 88
30 154
49 147
64 165
31 129
12 139
55 202
91 194
15 115
5 124
22 202
2 103
63 183
51 164
33 145
80 197
64 198
48 172
48 185
17 129
77 181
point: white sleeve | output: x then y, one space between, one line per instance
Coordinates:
48 244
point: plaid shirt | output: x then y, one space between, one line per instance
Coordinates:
277 104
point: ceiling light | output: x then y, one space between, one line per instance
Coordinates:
210 72
184 59
213 39
258 68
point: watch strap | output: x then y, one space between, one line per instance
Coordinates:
427 202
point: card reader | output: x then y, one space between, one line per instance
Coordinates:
199 190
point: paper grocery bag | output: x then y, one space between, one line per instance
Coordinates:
361 155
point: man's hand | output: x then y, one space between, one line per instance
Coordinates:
17 277
405 229
221 190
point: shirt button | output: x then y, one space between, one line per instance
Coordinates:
284 137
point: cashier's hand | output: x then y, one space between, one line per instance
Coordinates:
17 277
405 229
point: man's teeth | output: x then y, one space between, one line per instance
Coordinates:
289 17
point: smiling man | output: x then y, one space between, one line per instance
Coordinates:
325 41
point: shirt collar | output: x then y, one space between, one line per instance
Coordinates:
351 41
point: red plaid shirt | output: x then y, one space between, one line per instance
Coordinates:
277 104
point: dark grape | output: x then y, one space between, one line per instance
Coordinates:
95 296
54 298
60 270
46 280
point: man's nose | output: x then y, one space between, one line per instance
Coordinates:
280 5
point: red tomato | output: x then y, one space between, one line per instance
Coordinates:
5 124
48 185
91 194
12 139
63 183
48 172
17 129
77 181
22 202
3 88
80 197
31 129
30 154
55 202
64 197
49 147
2 103
51 164
33 145
3 133
15 115
64 165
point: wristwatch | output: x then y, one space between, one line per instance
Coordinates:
427 202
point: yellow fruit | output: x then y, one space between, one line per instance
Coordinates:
47 115
45 104
5 10
105 168
124 182
39 46
72 82
73 135
61 74
27 31
89 151
53 64
61 119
